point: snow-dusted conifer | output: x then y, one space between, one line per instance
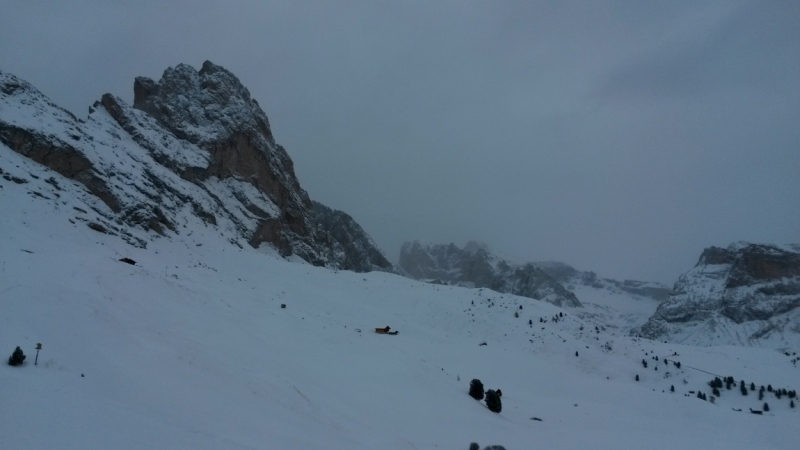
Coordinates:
493 401
16 358
476 389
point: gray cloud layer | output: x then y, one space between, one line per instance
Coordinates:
618 136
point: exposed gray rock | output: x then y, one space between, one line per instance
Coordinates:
346 243
749 290
474 266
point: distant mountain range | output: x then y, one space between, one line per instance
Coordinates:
476 266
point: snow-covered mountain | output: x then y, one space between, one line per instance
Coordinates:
746 294
475 266
194 145
190 348
123 251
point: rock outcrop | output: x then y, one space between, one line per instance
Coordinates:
194 147
475 266
740 295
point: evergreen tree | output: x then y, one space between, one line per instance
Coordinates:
474 446
791 404
637 377
644 363
766 407
16 358
716 391
576 353
493 401
476 389
743 388
752 386
769 387
672 388
761 395
678 364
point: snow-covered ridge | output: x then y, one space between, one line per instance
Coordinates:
194 147
746 294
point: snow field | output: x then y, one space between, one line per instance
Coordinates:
190 349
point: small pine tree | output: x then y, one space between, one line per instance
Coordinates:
769 387
761 395
16 358
766 407
530 321
493 401
791 404
576 353
516 314
644 363
743 389
476 389
752 386
716 391
637 377
672 388
474 446
678 364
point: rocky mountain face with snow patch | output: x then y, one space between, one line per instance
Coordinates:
194 146
474 266
740 295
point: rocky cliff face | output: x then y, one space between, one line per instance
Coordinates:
742 295
474 266
194 146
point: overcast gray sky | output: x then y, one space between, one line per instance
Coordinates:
618 136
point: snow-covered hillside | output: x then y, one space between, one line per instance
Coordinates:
190 348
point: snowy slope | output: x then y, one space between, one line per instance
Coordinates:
189 348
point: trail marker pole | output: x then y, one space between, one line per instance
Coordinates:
36 361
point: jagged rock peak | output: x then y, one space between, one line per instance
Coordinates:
201 106
736 295
195 147
475 266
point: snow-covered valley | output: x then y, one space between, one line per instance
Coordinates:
190 348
